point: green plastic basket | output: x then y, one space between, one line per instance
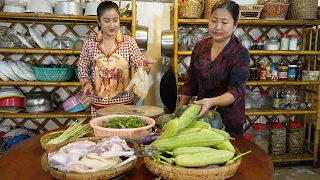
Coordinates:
53 74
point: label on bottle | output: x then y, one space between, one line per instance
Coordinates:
283 74
276 103
263 74
274 75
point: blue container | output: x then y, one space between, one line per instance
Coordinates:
78 108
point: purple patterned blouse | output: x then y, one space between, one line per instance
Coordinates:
227 73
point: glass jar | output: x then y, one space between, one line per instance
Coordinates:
246 40
79 42
62 43
292 72
284 42
272 44
293 42
277 137
283 72
295 137
258 44
260 135
255 99
183 39
266 100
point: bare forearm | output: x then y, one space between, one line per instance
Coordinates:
184 100
225 99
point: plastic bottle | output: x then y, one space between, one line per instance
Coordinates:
268 68
263 71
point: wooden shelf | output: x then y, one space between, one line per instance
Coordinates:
275 83
51 18
270 111
305 156
46 115
38 83
265 52
256 22
39 51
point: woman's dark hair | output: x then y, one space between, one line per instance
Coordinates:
106 5
229 5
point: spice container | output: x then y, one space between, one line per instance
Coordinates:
260 135
277 137
256 99
292 72
258 44
284 42
293 43
283 72
272 44
295 136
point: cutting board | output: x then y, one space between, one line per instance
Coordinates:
140 110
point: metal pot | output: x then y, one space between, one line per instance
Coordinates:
167 43
68 7
38 98
142 37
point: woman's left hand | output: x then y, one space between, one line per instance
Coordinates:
206 104
147 64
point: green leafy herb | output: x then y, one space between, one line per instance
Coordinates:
124 122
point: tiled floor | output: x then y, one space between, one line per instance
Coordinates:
297 173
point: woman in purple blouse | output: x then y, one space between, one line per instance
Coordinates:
219 67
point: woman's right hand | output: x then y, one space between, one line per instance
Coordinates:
87 88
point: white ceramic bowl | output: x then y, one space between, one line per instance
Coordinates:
13 7
91 9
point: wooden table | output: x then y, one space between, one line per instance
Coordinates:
23 162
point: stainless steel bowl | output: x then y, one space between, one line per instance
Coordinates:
40 109
142 37
167 43
39 98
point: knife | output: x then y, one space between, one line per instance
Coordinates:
120 94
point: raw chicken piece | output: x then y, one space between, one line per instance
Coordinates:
110 144
139 83
79 147
57 158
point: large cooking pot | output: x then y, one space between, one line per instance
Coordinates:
39 6
14 7
142 37
91 9
167 43
68 7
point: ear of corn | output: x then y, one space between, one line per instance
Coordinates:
197 139
225 145
221 132
188 115
199 124
190 150
204 158
172 130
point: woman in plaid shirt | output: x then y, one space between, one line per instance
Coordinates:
218 69
111 54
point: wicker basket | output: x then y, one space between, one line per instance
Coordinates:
275 11
181 173
104 174
190 10
303 9
53 74
208 4
250 11
129 134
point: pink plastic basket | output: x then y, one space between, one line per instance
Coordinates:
132 134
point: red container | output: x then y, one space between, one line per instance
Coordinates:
11 102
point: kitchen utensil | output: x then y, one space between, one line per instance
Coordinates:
167 43
14 7
91 9
27 70
53 74
23 39
62 43
36 35
142 37
11 102
5 69
68 7
168 90
78 108
3 77
184 64
124 10
39 109
39 6
14 66
85 100
141 110
38 98
11 109
71 102
120 94
10 92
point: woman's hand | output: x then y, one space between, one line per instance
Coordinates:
147 64
206 104
87 88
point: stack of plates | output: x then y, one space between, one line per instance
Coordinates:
16 71
11 100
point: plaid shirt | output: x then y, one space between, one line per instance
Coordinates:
227 73
124 45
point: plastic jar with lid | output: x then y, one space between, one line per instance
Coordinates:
260 135
255 99
283 72
284 42
259 44
292 72
277 137
293 42
295 135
